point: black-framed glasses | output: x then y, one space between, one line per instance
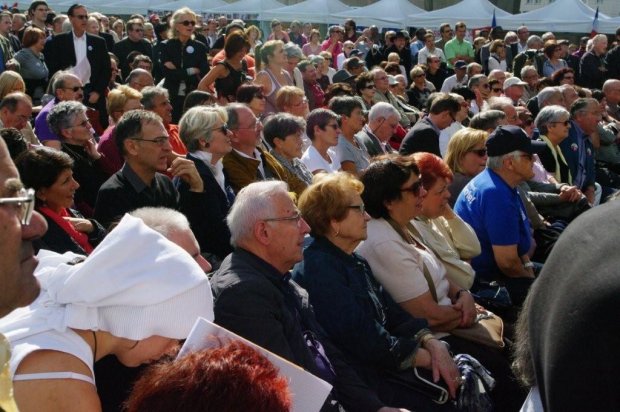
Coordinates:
223 128
361 207
81 16
24 201
295 218
159 141
74 89
414 188
496 90
188 23
259 96
479 152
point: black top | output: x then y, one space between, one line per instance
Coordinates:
227 86
124 192
57 240
423 137
191 55
123 48
273 314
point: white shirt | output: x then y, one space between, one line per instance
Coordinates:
256 156
82 65
217 169
425 53
451 82
314 161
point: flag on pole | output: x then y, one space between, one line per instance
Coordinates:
494 22
594 31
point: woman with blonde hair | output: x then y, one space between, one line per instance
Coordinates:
254 37
466 157
274 75
183 60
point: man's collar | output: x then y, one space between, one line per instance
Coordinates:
133 178
75 36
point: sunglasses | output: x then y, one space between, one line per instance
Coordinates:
74 89
259 96
414 188
565 123
223 128
497 90
479 152
369 86
188 23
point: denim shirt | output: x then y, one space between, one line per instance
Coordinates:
354 310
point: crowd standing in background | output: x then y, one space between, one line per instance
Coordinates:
358 203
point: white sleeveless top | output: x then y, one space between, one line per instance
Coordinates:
67 342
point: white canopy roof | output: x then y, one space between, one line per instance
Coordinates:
475 13
248 7
198 6
315 11
124 6
382 13
571 16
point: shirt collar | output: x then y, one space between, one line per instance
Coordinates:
80 38
133 178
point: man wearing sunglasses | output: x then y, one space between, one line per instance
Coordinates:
86 56
19 226
133 42
491 204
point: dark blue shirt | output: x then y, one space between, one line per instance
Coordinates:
579 154
496 213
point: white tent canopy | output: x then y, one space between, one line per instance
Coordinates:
571 16
197 6
475 13
382 13
315 11
248 7
125 7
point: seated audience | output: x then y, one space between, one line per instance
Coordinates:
50 173
351 152
251 94
291 99
375 135
322 127
198 98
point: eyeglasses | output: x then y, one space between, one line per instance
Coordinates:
159 141
303 101
420 75
414 188
496 90
24 201
565 122
479 152
369 86
223 128
138 30
253 126
81 16
83 123
188 23
74 89
361 207
295 218
259 96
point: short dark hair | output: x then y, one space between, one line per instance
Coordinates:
319 117
11 100
14 140
31 36
246 92
131 124
36 3
232 110
362 80
281 125
235 42
445 102
344 105
581 105
40 167
196 98
383 180
73 7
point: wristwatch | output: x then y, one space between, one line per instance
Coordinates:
528 265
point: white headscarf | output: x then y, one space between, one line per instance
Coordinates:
134 285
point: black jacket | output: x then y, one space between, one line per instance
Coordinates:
421 138
126 46
60 55
257 302
59 241
193 54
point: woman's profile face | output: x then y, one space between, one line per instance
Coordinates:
60 194
436 199
474 161
353 226
145 351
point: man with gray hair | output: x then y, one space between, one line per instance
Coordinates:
611 88
156 100
65 86
530 57
256 298
505 105
375 135
529 75
139 79
488 120
490 203
593 67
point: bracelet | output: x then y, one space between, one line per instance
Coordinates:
426 338
528 265
458 294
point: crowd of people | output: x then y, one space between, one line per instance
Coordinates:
359 204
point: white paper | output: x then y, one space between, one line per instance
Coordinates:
308 391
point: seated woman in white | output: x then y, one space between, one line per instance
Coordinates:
322 127
135 296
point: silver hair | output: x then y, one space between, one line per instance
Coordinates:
150 93
486 120
198 122
292 50
471 67
162 220
499 103
599 38
527 69
254 202
550 114
62 116
497 162
382 109
533 39
546 94
474 80
59 79
608 85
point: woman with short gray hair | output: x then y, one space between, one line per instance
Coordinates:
553 122
205 133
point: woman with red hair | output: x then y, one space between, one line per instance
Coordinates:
234 377
444 232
